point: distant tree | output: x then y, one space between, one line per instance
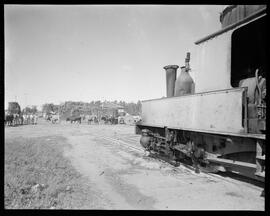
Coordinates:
34 109
122 103
69 108
56 108
14 108
98 103
62 108
27 110
48 108
139 107
75 112
131 108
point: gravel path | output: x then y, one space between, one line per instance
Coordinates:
127 179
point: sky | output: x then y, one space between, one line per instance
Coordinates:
58 53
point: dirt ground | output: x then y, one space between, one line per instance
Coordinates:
122 178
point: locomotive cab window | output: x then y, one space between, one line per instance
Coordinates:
248 51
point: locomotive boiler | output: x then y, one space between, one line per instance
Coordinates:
215 120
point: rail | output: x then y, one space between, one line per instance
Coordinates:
189 168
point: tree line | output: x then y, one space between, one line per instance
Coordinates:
15 108
89 108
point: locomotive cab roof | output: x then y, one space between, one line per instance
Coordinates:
261 11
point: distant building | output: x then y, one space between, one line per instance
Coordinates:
128 119
121 112
112 109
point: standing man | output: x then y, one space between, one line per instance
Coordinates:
35 119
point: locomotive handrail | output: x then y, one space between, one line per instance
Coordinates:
257 14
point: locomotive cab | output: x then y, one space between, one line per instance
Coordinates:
235 57
248 69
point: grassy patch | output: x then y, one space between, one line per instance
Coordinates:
38 176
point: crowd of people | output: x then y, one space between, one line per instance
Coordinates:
20 119
26 119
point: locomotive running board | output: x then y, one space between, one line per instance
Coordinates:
239 167
229 162
245 135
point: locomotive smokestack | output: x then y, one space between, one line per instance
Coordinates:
170 78
188 57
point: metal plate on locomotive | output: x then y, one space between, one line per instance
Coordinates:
217 111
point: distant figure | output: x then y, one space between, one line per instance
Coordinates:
31 119
92 118
16 119
83 117
76 120
21 119
48 117
89 120
24 119
55 119
9 119
28 119
35 119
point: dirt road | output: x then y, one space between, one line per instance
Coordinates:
124 178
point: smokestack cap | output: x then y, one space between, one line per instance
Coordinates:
171 66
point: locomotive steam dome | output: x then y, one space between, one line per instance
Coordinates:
234 13
183 84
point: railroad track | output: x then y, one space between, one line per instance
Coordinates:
122 142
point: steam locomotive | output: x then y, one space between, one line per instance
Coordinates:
215 120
